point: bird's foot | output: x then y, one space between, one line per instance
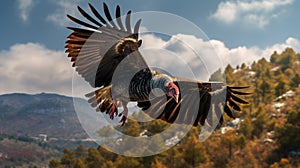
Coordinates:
113 110
124 117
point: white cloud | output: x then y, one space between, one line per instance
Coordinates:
226 12
64 7
242 54
151 41
214 54
256 12
25 7
32 68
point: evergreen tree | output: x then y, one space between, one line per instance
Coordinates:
264 89
229 74
295 81
194 152
94 159
217 76
243 66
54 163
280 88
79 163
68 158
274 57
80 151
260 121
246 127
288 134
106 131
128 162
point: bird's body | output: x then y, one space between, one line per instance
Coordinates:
107 56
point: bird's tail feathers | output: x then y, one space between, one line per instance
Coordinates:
100 98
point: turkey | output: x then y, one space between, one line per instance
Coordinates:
106 54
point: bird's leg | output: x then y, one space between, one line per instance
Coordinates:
113 110
124 113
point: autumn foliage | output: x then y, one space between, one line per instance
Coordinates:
266 136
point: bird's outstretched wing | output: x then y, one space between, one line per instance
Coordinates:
198 102
94 48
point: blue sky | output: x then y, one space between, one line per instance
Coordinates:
32 24
33 33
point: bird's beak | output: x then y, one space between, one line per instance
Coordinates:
175 97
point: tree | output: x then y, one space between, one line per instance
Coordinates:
54 163
156 126
246 157
131 128
228 74
295 81
80 152
158 164
109 164
94 159
285 59
273 57
68 158
260 121
264 90
106 131
289 73
243 66
108 155
173 157
79 163
288 134
128 162
280 88
246 128
194 152
217 76
261 67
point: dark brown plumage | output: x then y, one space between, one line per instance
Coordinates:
106 55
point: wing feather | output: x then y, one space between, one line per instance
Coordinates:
237 99
96 13
92 48
81 22
118 17
90 18
108 16
199 102
127 21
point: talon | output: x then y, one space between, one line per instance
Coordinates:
123 120
113 110
124 113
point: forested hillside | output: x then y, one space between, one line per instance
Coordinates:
35 128
266 133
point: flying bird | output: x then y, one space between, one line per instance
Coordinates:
105 52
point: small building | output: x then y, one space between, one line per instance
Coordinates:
43 137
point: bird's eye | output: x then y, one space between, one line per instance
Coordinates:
171 90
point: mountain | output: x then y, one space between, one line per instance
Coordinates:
32 115
35 128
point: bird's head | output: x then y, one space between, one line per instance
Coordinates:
128 45
173 91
